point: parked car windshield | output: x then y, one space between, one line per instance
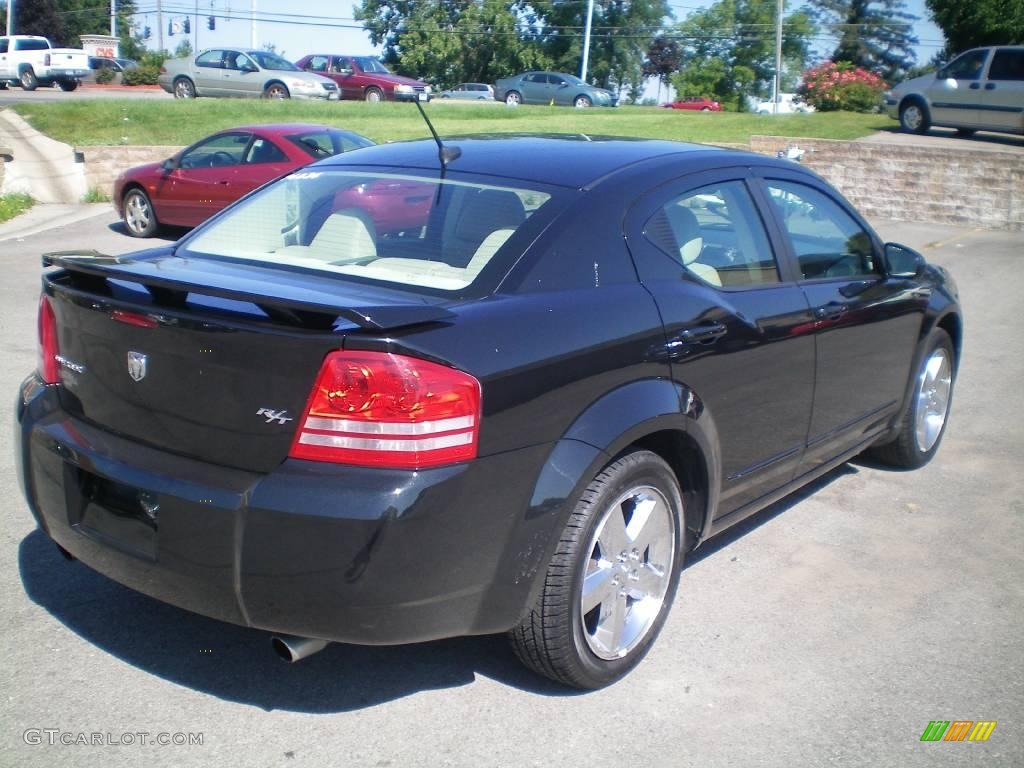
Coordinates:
268 60
393 228
370 64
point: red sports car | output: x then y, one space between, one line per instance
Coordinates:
696 103
199 181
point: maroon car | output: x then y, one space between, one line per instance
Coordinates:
695 103
199 181
363 77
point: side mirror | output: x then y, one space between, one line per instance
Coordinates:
344 71
249 68
903 261
949 84
564 85
170 164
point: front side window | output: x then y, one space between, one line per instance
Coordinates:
716 234
216 152
1007 64
390 228
828 241
967 66
264 151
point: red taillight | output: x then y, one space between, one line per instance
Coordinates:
48 351
133 318
46 59
376 409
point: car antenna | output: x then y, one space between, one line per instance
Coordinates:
444 154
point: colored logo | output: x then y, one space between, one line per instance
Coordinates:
958 730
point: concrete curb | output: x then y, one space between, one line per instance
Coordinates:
40 166
42 216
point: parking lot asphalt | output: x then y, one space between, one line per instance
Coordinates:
830 628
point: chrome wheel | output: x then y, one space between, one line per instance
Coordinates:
138 214
513 98
628 571
582 102
373 96
277 91
183 89
933 390
913 117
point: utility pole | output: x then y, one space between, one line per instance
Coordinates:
10 17
777 83
159 26
252 29
195 30
586 40
113 18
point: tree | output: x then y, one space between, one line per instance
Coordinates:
664 56
39 17
979 22
873 34
183 49
729 50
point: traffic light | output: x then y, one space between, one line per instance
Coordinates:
211 22
187 26
147 33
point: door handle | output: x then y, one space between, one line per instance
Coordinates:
224 182
831 311
706 333
990 86
975 86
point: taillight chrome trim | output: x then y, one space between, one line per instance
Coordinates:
397 446
390 427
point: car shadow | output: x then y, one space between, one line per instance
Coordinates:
165 233
236 663
981 137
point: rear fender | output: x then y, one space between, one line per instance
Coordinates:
604 430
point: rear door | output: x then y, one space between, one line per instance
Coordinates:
866 325
1004 90
208 73
738 328
206 180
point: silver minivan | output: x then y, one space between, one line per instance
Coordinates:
980 90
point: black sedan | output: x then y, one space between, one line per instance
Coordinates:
516 412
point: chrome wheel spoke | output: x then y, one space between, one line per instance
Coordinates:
648 526
612 536
934 387
598 585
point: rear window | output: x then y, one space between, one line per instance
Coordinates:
31 45
405 230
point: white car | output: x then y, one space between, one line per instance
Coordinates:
789 104
980 90
30 61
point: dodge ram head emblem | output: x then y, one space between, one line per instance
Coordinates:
136 365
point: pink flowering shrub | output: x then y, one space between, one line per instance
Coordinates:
833 86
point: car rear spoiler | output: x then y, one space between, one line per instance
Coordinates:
286 297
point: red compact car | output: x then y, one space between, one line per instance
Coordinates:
199 181
696 103
364 77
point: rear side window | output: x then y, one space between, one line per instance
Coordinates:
31 45
212 59
715 234
1007 64
3 45
321 144
828 241
398 229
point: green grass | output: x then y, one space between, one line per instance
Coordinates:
82 123
95 194
12 205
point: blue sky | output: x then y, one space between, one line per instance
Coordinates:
336 31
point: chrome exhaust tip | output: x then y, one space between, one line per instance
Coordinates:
292 648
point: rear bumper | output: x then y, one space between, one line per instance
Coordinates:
349 554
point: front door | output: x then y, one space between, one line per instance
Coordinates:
866 324
957 95
205 180
738 328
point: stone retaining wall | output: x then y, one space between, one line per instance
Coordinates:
969 187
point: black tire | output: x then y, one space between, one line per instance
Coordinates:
139 216
3 85
28 79
184 88
914 116
555 639
905 451
374 95
513 98
964 133
582 101
276 91
67 85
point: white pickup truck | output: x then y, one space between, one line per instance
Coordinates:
30 61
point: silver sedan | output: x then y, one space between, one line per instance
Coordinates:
242 72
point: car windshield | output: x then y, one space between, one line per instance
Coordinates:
404 230
268 60
370 64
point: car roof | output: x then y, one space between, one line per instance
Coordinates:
575 161
282 129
